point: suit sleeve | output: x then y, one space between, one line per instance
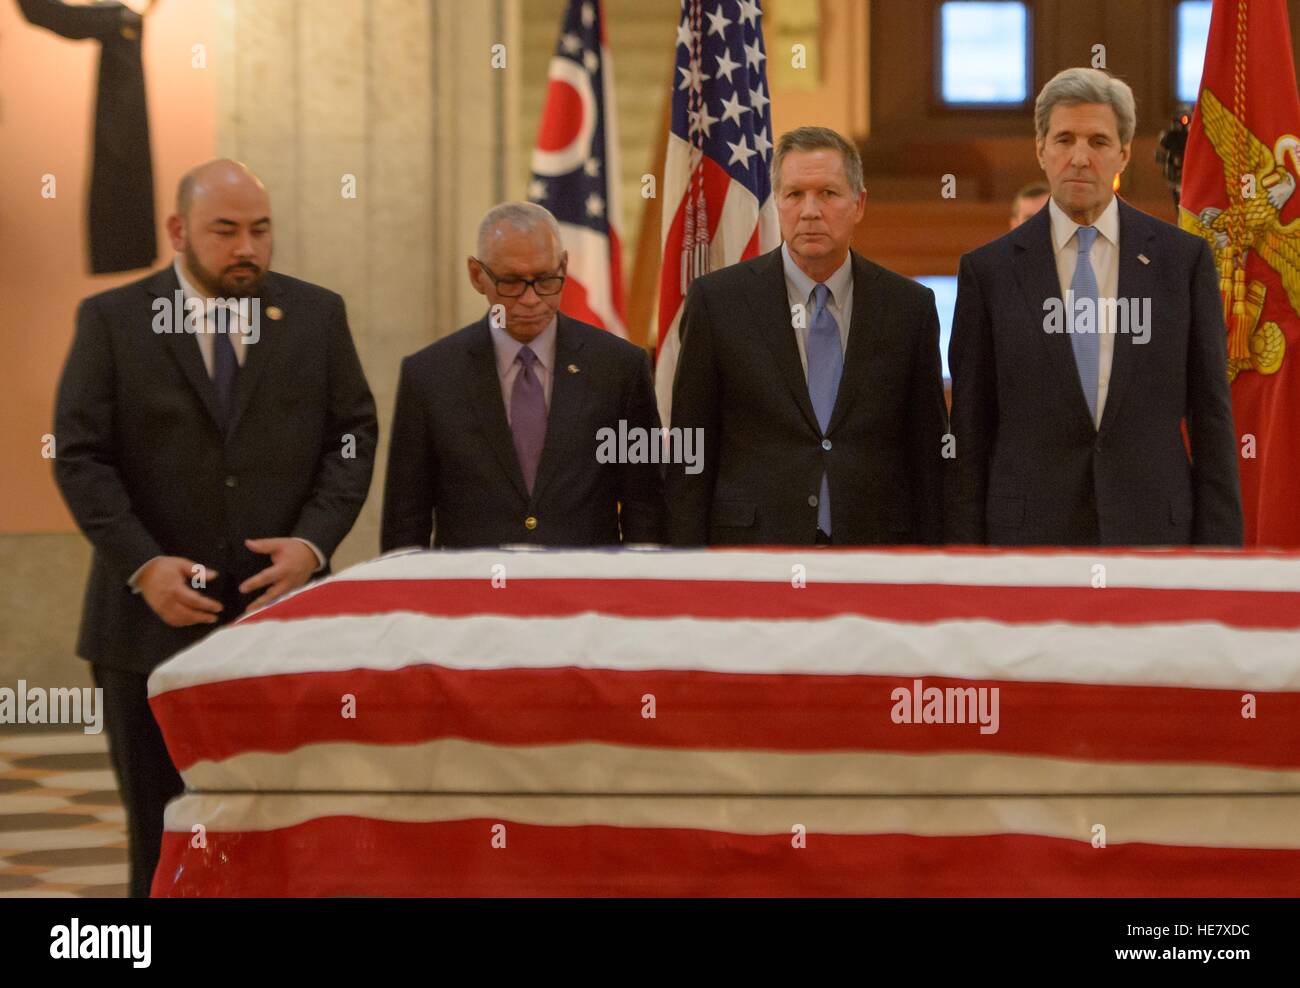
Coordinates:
697 396
78 21
641 485
974 420
412 471
344 470
85 461
1216 486
928 423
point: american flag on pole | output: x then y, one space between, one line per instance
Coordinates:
744 722
717 194
576 170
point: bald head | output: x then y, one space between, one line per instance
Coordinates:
212 177
222 228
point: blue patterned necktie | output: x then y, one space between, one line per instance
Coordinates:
528 416
1087 346
825 367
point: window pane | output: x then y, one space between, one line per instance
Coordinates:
984 49
945 299
1193 30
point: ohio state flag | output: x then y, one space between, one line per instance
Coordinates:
575 168
1239 184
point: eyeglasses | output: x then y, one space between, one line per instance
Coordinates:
550 284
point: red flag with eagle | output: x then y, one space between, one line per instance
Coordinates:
1239 183
718 206
575 168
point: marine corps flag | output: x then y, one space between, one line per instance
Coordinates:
1239 184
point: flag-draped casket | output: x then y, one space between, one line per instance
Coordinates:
786 722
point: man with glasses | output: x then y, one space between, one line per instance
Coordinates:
497 430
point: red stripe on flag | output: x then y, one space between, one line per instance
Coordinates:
709 710
573 303
733 600
353 856
716 183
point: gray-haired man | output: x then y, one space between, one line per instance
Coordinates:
813 376
526 426
1082 341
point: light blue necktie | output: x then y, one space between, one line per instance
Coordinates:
1087 346
825 367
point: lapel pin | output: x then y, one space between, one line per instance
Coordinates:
1144 259
274 312
573 368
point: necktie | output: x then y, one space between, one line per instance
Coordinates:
1087 346
225 368
825 368
528 416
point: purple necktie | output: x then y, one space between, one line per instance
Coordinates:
225 367
528 416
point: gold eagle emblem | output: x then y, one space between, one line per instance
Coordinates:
1259 185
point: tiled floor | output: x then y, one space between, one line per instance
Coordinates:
61 823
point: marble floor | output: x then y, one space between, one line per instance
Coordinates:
61 823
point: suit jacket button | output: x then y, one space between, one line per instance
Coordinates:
530 523
826 445
232 481
812 500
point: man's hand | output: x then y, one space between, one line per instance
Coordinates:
292 564
164 583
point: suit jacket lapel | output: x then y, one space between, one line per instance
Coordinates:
272 331
770 304
1136 281
1035 267
862 342
483 394
568 388
182 345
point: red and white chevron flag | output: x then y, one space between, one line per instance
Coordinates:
785 722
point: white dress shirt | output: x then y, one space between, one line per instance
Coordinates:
799 288
236 328
507 349
238 333
1105 266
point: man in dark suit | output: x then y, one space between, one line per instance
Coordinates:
215 441
1082 342
813 376
500 431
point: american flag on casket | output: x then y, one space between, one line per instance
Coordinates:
781 722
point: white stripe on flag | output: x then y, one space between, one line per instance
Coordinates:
1219 821
1193 654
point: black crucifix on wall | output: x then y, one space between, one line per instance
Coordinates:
121 214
